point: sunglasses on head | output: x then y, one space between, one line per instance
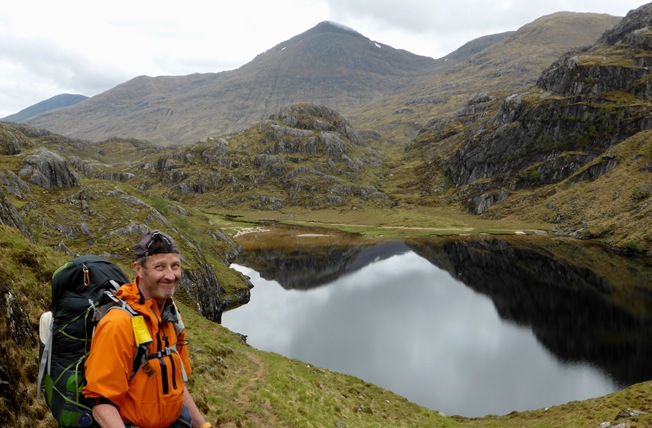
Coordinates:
159 243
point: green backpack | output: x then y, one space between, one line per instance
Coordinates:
82 292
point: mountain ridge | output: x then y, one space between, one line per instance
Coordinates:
53 103
328 65
213 104
510 64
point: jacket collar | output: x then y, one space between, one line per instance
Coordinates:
131 294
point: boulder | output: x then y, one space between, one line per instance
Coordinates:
48 169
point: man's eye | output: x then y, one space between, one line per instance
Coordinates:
159 268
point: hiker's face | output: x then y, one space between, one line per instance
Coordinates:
159 278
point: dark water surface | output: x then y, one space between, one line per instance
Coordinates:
469 327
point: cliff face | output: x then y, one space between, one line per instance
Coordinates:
580 122
536 140
9 216
584 103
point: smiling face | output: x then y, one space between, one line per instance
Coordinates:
159 278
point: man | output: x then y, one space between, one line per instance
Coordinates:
154 396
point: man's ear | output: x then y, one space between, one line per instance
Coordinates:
138 269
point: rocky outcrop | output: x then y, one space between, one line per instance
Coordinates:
306 155
17 333
14 185
480 204
558 129
93 169
630 30
205 283
10 140
317 118
570 76
606 164
10 217
48 169
549 139
203 286
588 72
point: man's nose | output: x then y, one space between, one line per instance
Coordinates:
171 274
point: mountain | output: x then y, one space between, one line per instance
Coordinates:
54 103
572 150
493 65
461 146
329 65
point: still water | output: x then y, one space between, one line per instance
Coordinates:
394 318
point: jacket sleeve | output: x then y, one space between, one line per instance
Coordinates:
110 361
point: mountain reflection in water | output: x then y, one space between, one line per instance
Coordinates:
463 326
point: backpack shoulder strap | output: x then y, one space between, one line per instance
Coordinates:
143 339
179 327
141 333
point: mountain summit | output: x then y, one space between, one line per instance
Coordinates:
328 65
54 103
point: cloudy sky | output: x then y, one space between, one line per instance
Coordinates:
84 47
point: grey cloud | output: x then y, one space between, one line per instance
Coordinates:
443 19
53 65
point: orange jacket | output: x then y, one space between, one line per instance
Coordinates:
147 400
